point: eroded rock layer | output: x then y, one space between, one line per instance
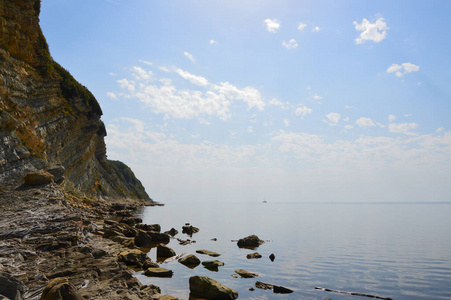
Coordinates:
49 121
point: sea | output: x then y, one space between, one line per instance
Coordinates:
392 250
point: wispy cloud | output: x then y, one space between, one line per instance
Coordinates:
189 56
301 26
292 44
403 128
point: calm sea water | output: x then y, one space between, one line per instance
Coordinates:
402 251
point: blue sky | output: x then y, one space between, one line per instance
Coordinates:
276 100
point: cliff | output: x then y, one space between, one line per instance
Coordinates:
49 121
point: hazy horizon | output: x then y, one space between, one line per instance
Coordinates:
277 100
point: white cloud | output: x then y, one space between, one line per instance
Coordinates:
346 119
391 118
164 69
317 97
440 129
292 44
145 62
249 94
401 70
375 32
316 29
213 42
349 106
163 97
250 129
189 56
349 127
301 26
333 118
402 128
141 74
194 79
111 95
112 74
303 111
286 122
272 25
275 102
365 122
126 84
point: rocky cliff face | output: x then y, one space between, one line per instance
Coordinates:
47 119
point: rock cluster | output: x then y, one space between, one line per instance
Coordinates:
59 240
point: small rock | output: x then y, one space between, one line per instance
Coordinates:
214 239
235 275
60 289
38 178
147 227
164 252
172 232
143 239
158 272
10 287
246 274
253 255
263 286
58 173
132 257
251 289
207 252
272 257
281 290
207 288
190 261
189 230
212 265
98 253
251 241
149 264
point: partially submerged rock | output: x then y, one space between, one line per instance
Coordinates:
208 252
246 274
276 288
207 288
272 257
165 252
253 255
60 289
172 232
251 241
212 265
189 229
191 261
158 272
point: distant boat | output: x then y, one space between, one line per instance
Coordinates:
264 201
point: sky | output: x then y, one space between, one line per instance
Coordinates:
251 100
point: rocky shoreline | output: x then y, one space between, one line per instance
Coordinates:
48 233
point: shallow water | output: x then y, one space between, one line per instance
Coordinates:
402 251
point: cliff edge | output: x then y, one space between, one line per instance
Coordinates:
49 121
